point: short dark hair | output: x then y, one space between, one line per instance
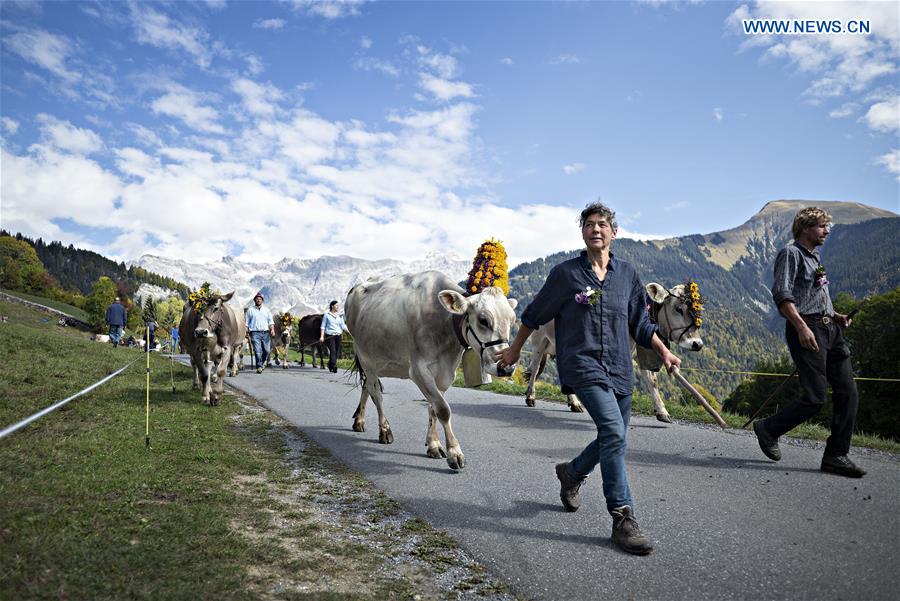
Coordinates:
331 304
598 208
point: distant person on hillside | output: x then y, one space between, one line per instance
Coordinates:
332 329
173 333
151 327
116 318
598 304
817 346
261 328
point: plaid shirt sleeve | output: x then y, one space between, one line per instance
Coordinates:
786 265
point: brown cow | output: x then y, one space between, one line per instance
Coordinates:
308 331
212 338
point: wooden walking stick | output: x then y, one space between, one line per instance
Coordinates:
699 397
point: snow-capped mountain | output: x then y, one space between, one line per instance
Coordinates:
301 286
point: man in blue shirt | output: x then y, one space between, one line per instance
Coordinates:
261 327
597 302
116 318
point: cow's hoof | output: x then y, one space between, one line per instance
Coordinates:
529 401
576 408
215 402
436 452
359 426
664 417
385 436
456 461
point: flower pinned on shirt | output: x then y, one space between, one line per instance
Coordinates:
589 296
200 299
488 268
821 279
694 302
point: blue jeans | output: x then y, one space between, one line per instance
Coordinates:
261 341
115 334
611 413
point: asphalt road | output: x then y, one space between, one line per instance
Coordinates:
727 522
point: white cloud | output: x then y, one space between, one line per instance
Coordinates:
368 63
443 89
365 42
46 50
157 29
573 168
10 126
677 206
186 105
884 116
62 135
443 65
258 99
506 60
718 114
269 23
564 59
840 64
891 161
329 9
845 110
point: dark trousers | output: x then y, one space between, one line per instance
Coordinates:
333 343
831 365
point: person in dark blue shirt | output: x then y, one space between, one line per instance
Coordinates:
597 302
116 318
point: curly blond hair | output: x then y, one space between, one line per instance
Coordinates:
807 217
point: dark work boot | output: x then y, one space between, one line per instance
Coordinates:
568 487
767 443
842 466
627 534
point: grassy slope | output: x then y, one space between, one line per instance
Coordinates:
212 510
67 309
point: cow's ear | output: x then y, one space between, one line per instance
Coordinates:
657 292
453 301
227 297
512 303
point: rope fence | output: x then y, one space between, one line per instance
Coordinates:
776 375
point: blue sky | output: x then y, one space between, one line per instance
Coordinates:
389 129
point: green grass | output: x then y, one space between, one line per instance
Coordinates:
67 309
212 510
642 404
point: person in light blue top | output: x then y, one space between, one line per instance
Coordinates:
261 327
333 327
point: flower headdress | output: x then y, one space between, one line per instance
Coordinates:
287 319
694 302
489 268
201 298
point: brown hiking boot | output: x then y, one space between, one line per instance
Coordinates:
627 534
568 487
842 466
767 443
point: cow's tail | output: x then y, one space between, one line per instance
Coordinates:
357 372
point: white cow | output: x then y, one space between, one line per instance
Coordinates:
415 327
669 309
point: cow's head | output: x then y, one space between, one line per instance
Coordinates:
487 319
209 320
671 309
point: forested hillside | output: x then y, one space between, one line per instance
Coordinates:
77 269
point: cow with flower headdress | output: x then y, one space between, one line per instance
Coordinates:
677 312
281 340
416 327
212 332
